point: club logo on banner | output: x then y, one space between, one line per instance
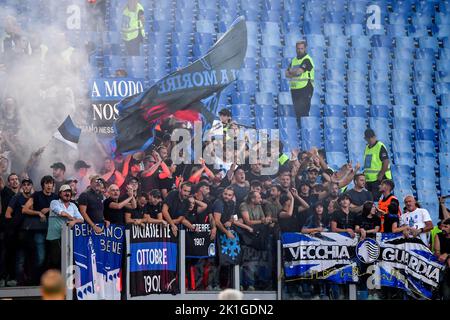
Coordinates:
153 260
395 261
98 260
368 251
199 243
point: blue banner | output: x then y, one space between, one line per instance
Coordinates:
153 256
98 261
389 260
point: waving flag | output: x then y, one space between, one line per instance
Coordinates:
68 133
181 93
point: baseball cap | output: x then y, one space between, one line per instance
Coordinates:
64 187
81 164
58 165
132 179
72 179
27 180
225 112
369 133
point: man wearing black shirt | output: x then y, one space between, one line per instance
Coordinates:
6 195
154 207
59 170
35 224
359 194
115 207
442 247
344 220
14 234
91 204
254 173
176 205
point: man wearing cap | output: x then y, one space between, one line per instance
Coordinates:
91 203
14 234
72 182
59 170
36 211
376 163
81 175
61 211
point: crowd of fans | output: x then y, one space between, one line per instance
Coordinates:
305 195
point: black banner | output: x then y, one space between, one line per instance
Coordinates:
153 260
199 244
230 252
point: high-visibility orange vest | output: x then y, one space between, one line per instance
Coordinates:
383 205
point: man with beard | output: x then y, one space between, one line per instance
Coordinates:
176 205
15 236
359 194
61 211
59 170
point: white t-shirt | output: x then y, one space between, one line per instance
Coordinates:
417 219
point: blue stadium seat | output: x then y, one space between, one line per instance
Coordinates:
404 159
284 98
334 111
311 138
286 111
380 98
354 29
315 40
241 98
404 43
334 98
264 123
312 27
241 110
265 111
336 159
379 111
426 147
310 123
404 111
264 98
425 134
357 111
405 99
246 85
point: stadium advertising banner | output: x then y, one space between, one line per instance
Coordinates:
390 259
98 261
199 243
105 94
153 260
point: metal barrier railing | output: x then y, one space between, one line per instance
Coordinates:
67 266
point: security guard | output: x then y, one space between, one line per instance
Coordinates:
133 27
301 74
376 163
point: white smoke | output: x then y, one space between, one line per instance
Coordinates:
46 76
